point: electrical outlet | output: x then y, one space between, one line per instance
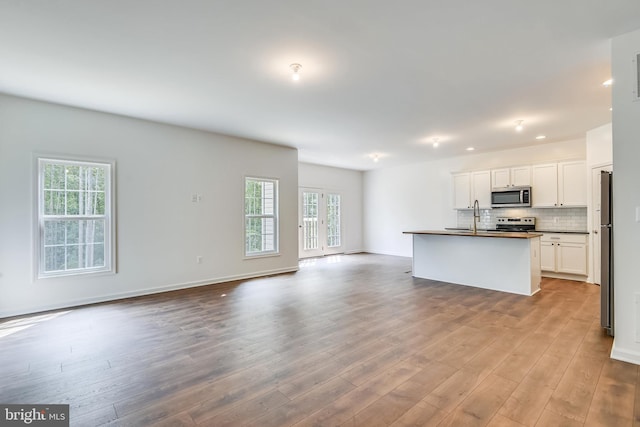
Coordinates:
199 259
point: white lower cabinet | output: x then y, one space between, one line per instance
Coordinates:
564 253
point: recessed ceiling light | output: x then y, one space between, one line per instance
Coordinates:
540 137
607 83
296 71
435 142
519 126
470 148
610 108
375 158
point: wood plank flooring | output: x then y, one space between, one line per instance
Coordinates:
346 341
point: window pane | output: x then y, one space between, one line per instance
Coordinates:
54 232
253 235
73 177
310 220
53 177
333 220
98 255
54 258
54 202
73 202
73 258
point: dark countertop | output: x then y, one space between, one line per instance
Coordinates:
480 233
562 232
536 231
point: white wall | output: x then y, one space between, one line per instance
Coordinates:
626 198
419 196
349 184
160 231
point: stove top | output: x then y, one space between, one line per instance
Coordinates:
521 224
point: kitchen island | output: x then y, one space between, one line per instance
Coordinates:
501 261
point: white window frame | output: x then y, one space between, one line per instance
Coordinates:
109 217
275 216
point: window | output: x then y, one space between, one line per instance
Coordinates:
333 221
74 217
310 220
261 216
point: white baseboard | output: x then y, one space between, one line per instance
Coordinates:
625 355
142 292
575 277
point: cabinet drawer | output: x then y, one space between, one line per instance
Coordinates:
564 238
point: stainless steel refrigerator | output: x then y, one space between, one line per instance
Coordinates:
606 252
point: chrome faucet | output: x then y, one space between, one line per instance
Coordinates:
476 215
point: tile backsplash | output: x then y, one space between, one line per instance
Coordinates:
561 219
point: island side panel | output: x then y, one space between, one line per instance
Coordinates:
502 264
536 273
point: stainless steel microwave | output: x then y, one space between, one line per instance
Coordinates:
511 197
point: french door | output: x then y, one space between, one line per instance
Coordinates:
320 223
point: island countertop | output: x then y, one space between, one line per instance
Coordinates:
499 234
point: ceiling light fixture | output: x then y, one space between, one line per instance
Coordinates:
375 158
296 68
607 83
540 137
519 126
435 142
470 148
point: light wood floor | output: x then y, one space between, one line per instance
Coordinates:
348 340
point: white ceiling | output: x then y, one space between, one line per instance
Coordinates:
378 77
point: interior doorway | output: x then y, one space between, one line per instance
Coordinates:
595 219
320 227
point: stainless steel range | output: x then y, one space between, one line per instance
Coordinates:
527 223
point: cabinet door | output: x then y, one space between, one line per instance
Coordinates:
521 176
572 258
547 256
461 191
544 185
500 178
481 186
572 184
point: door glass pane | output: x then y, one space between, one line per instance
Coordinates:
333 221
310 220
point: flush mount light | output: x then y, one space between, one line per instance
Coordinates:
519 126
295 67
375 158
607 83
470 148
435 142
540 137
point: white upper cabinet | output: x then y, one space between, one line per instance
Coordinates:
511 177
544 186
461 190
481 189
521 176
559 185
572 184
469 186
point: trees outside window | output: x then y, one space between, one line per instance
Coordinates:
74 217
261 216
